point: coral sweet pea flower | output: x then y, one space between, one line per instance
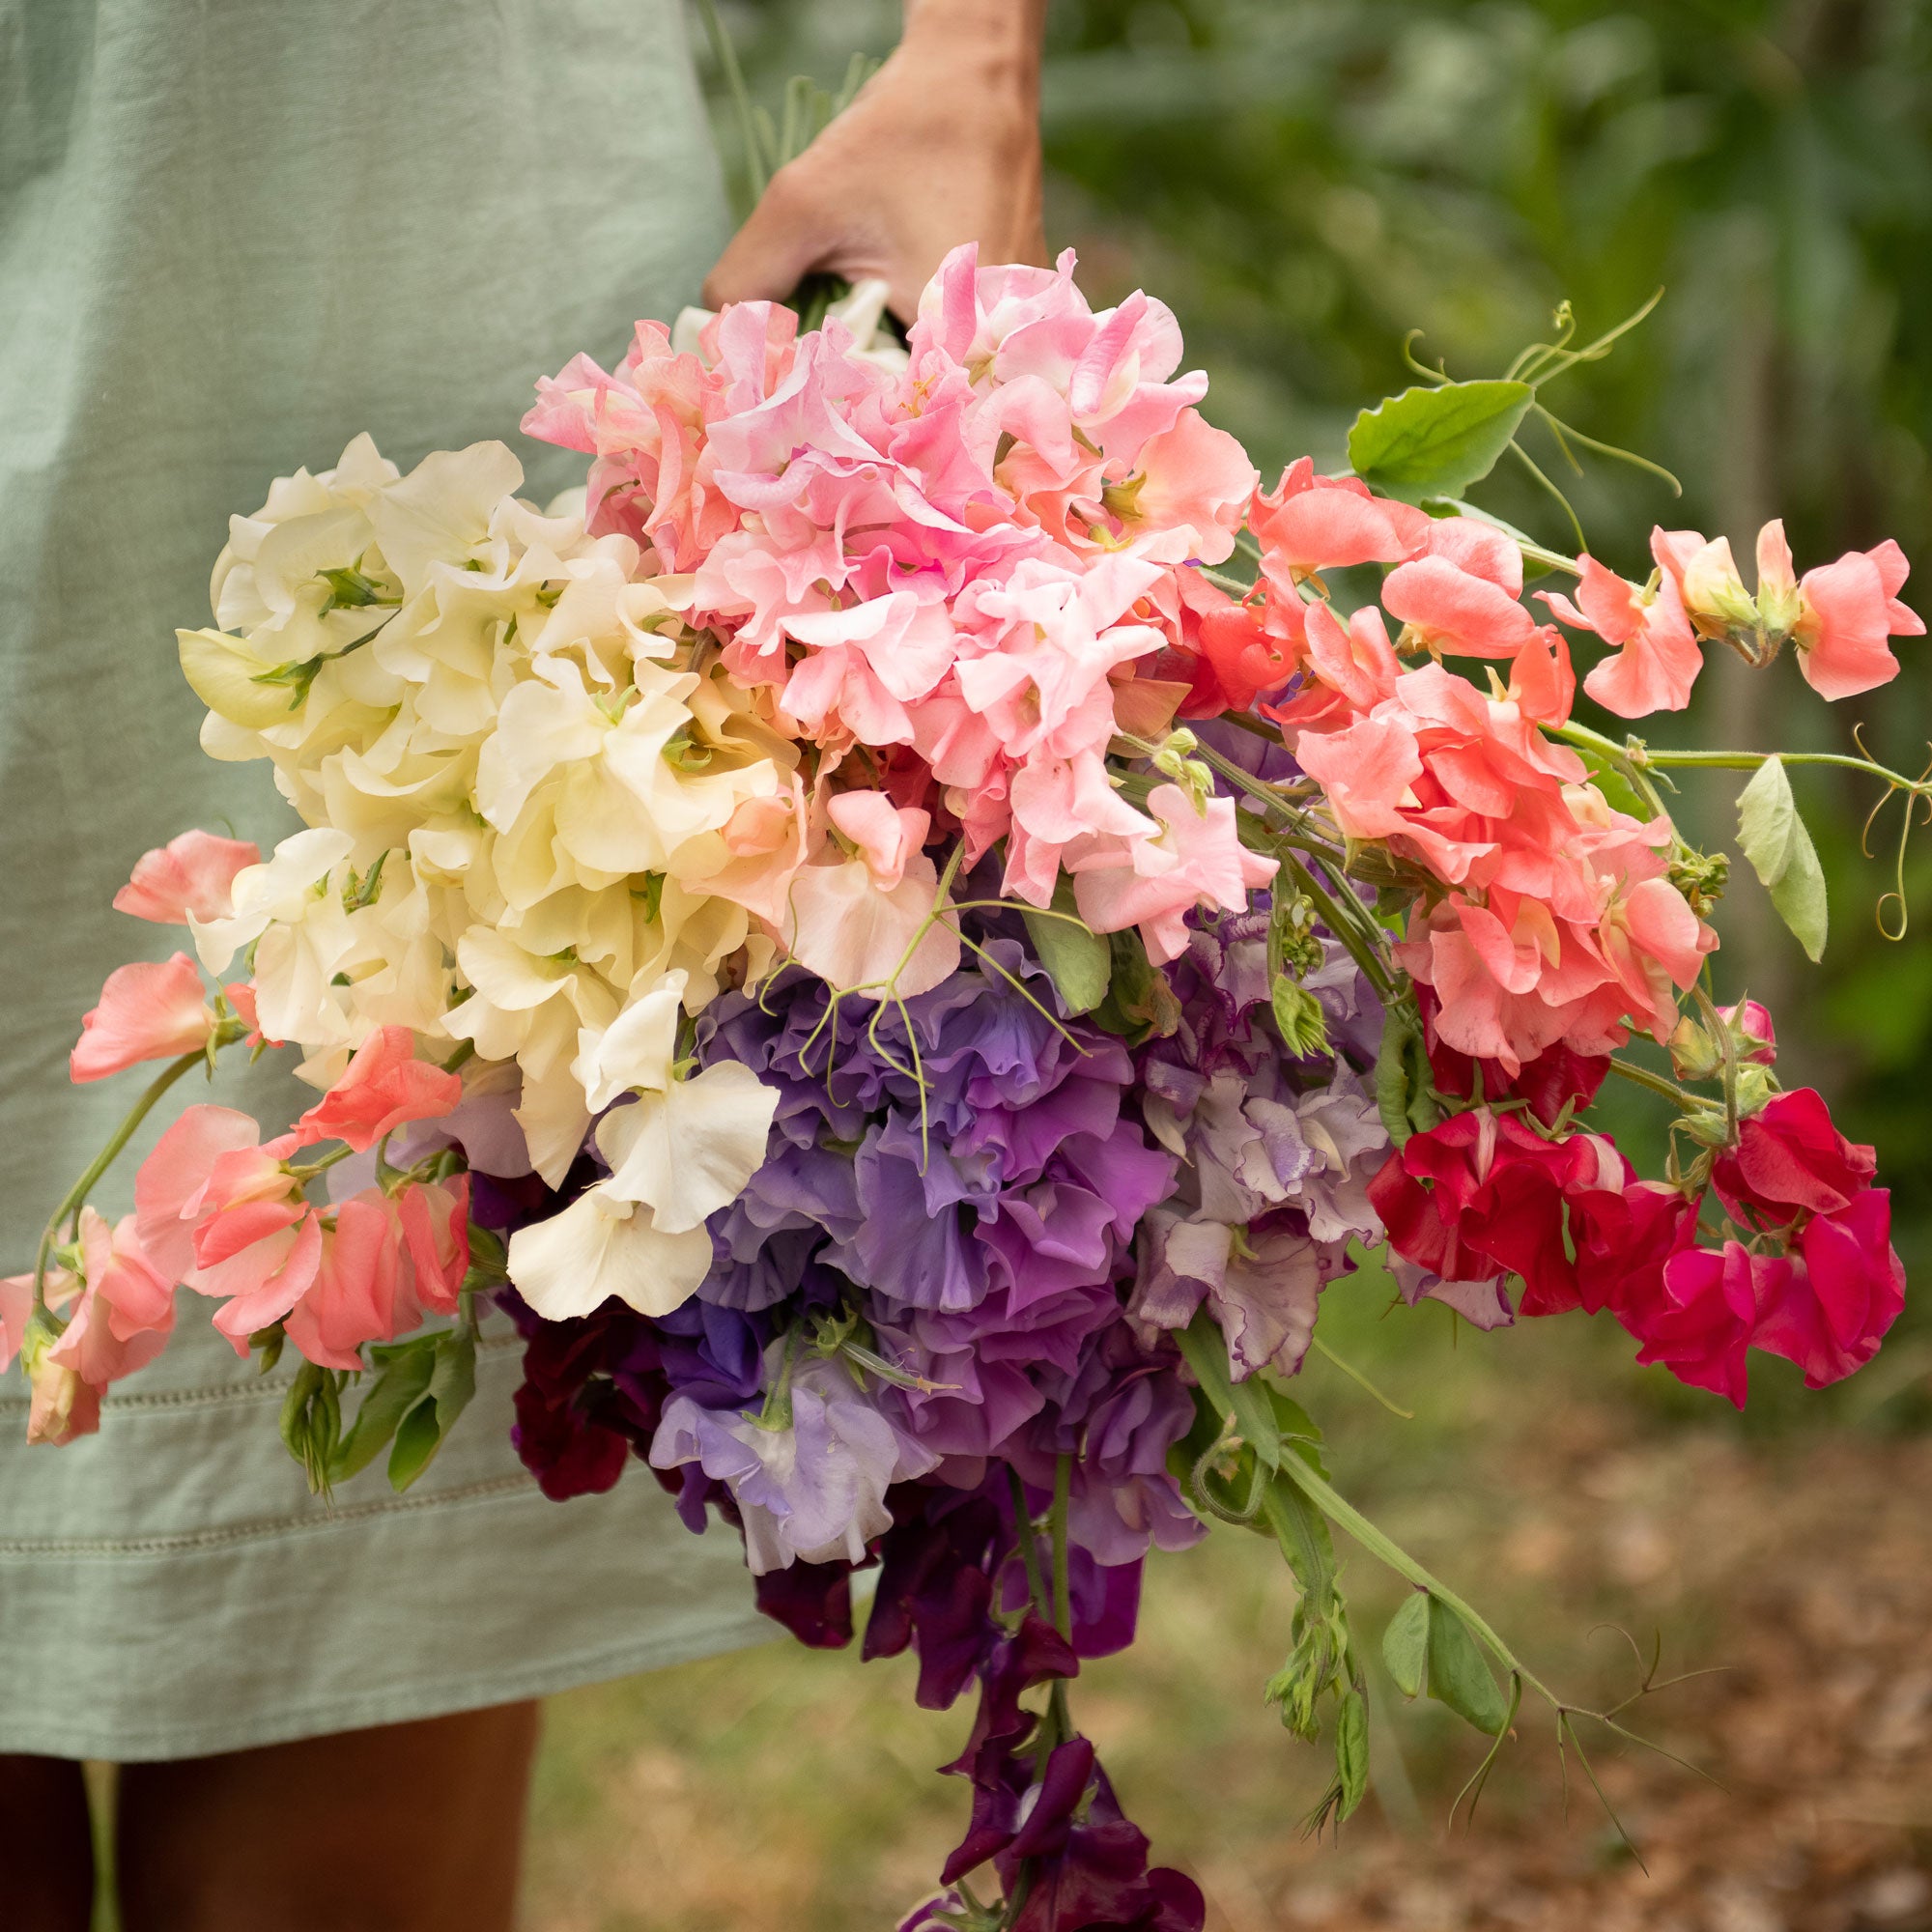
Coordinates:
190 876
144 1013
1846 610
384 1087
1658 655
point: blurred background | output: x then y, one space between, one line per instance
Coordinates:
1305 182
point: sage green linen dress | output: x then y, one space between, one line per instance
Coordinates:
233 234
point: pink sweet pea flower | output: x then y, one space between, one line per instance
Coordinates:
146 1012
1658 655
352 1297
1193 478
384 1087
192 876
1309 524
1791 1159
1750 1026
219 1210
434 1218
63 1406
1197 858
1846 612
124 1313
16 1306
1847 1294
842 925
886 836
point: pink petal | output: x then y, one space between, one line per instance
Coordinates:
192 874
146 1012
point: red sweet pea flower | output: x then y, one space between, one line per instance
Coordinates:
1789 1158
1704 1321
1841 1297
1482 1195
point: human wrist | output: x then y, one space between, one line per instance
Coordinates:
992 44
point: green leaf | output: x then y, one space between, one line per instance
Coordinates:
402 1379
452 1382
1459 1675
1772 837
1352 1752
1080 963
1436 441
1405 1644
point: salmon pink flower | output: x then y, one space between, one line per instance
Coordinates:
123 1311
434 1221
146 1012
1658 655
1460 596
17 1308
1846 610
355 1293
1193 478
1309 524
191 876
62 1405
384 1087
219 1210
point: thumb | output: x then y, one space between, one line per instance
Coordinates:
779 244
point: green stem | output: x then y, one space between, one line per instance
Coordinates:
1641 755
1062 1607
76 1196
1029 1552
1361 1381
1346 1515
1642 1076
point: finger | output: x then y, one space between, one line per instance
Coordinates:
779 244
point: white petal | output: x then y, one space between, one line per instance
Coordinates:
598 1247
690 1152
635 1050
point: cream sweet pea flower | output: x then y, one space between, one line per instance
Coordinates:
520 771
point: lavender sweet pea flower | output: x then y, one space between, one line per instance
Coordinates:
814 1490
1262 1284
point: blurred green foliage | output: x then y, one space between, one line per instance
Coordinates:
1307 181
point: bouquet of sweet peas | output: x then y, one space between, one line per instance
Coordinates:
908 933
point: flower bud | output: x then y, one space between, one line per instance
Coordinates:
1714 594
63 1406
1750 1025
1694 1054
1754 1089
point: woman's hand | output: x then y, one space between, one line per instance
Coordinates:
942 146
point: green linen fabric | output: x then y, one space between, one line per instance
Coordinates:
233 234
